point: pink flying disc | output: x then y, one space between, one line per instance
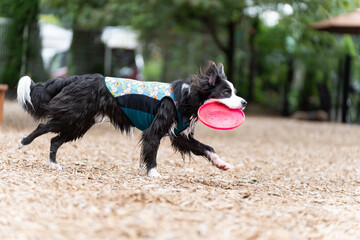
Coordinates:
218 116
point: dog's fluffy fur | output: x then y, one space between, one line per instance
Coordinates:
71 105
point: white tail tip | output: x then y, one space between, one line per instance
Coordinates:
23 91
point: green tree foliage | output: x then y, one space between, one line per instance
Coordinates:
292 43
79 14
21 41
219 19
162 21
268 62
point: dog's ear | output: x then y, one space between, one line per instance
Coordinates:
212 73
221 70
212 79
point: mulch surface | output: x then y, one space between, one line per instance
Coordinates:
291 180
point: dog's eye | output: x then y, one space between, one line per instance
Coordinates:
228 92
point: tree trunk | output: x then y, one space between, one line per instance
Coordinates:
250 97
289 79
21 14
338 88
253 32
230 52
165 67
228 48
345 118
86 53
34 64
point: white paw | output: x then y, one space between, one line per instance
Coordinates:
153 173
20 145
223 165
55 166
218 162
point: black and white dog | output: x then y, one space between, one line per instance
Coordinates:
71 105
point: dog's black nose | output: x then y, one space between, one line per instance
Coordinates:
243 102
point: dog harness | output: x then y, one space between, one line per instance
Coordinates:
140 100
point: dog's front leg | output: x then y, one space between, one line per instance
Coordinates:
187 144
150 140
150 145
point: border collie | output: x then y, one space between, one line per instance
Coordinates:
70 106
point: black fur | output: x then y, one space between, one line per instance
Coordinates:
186 145
71 104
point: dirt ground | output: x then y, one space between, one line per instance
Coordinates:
291 180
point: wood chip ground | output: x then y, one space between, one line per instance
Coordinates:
291 180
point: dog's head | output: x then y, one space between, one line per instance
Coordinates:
216 88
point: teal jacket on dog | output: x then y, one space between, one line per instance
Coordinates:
140 100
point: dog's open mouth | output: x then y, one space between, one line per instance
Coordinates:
228 103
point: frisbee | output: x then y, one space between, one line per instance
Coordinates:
218 116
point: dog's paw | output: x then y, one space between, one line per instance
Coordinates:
153 173
223 165
215 159
55 166
20 145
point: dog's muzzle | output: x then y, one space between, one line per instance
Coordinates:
234 102
243 104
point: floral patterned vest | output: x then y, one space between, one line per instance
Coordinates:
140 100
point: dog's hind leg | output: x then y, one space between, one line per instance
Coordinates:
67 134
56 142
40 130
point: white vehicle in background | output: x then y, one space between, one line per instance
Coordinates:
56 43
121 53
121 57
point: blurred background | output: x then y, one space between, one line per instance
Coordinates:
275 59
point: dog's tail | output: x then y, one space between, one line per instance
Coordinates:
34 98
23 95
